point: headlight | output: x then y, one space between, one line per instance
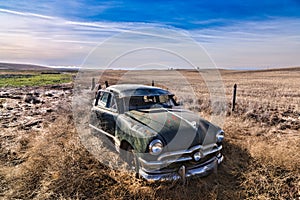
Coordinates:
220 137
155 147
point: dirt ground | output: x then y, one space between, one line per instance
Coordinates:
42 157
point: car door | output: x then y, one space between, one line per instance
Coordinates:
106 112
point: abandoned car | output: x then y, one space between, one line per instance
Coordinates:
154 134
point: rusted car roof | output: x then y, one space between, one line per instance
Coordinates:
128 90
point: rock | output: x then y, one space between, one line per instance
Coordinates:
49 110
9 108
15 97
56 86
4 95
49 94
36 100
9 95
29 98
35 93
30 107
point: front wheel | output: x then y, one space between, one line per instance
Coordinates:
131 158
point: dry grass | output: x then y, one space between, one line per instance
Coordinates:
55 165
261 149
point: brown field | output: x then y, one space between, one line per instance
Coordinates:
42 157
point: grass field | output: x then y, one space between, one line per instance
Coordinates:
33 79
261 148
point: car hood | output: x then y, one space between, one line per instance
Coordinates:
180 129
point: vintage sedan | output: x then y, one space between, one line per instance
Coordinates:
155 135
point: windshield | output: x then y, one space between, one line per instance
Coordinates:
147 102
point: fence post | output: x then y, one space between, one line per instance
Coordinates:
234 97
93 84
152 82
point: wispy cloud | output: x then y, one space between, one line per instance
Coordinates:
28 37
269 43
53 40
25 14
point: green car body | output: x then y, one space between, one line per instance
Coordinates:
168 142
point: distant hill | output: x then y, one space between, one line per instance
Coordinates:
22 67
31 67
282 69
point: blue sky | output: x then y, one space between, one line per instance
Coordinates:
236 34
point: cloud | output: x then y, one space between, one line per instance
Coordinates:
269 43
67 9
25 14
52 40
39 38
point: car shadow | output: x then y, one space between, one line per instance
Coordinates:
230 172
223 184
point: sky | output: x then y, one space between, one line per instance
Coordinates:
233 34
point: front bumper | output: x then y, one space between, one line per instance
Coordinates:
183 172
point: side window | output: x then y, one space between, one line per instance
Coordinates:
104 99
113 104
108 100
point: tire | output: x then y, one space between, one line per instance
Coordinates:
132 160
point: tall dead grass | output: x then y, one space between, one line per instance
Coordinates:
261 154
55 165
275 172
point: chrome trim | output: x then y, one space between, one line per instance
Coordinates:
162 163
220 131
214 148
101 131
179 159
182 172
220 158
203 170
117 142
219 134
